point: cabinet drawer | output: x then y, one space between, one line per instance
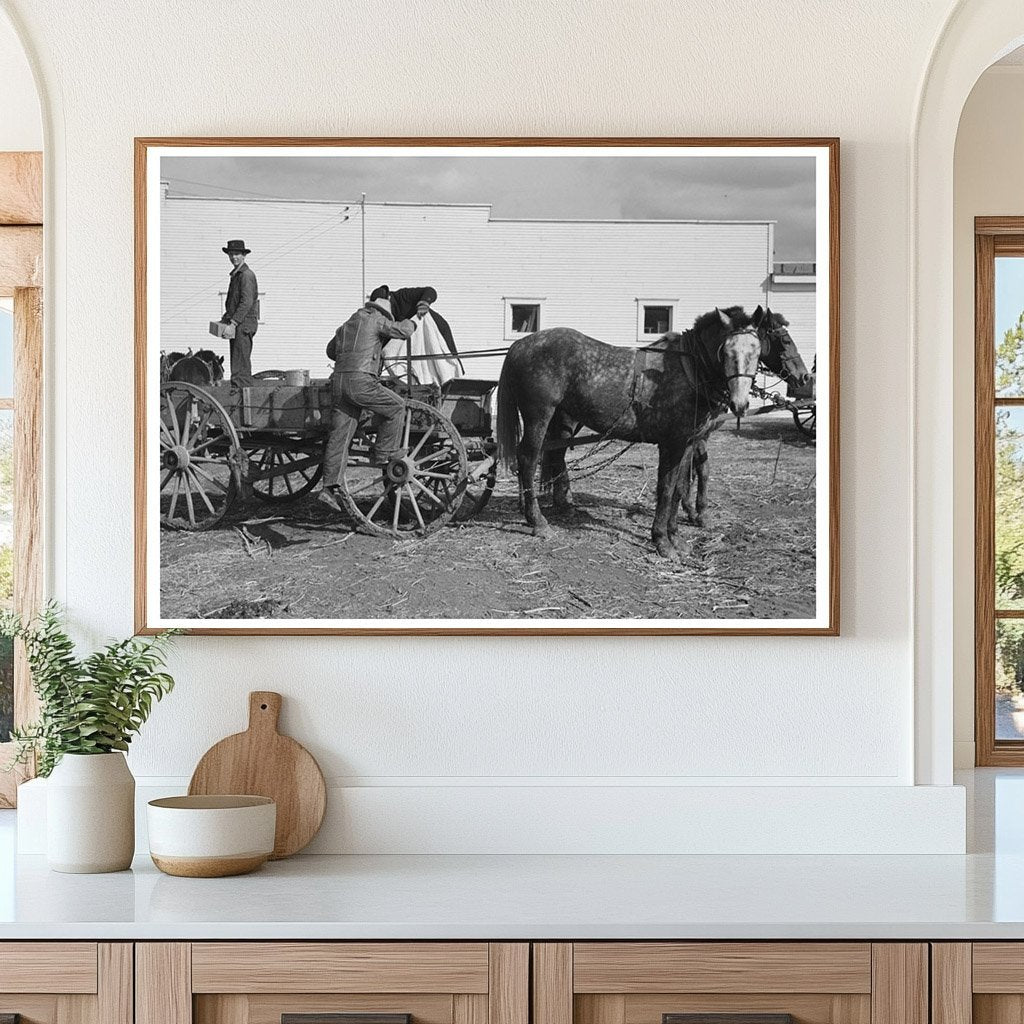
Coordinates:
730 983
332 983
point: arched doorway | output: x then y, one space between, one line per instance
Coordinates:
976 34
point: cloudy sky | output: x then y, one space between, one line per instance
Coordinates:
684 188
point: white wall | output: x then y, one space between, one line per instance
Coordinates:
987 181
589 274
456 714
21 127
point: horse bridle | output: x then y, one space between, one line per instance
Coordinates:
783 373
712 371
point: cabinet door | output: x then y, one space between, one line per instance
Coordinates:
332 983
980 982
730 983
65 983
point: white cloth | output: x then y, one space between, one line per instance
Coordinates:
428 341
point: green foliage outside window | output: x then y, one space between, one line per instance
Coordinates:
1009 510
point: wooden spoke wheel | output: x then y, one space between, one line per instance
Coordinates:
806 419
200 458
279 472
410 496
483 474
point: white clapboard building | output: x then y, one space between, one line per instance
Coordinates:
622 281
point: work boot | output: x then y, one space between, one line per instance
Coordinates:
329 496
381 459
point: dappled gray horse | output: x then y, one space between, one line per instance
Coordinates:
670 394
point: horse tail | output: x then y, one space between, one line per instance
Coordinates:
508 430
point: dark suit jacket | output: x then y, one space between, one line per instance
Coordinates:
242 305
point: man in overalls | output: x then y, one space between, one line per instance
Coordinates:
355 386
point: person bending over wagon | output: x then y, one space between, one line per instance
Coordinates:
355 385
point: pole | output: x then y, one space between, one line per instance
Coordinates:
362 221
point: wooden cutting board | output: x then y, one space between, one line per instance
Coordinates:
262 762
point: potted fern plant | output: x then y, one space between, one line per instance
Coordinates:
90 708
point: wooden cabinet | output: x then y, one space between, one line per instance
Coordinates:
66 982
979 982
310 982
752 982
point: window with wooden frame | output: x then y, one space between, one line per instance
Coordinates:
999 490
21 365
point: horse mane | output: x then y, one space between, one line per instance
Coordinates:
737 314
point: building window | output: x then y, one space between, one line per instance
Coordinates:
654 318
522 316
657 319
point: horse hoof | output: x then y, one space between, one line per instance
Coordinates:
666 549
699 521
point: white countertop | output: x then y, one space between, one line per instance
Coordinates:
977 896
517 897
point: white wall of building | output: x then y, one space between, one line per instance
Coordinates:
828 722
584 274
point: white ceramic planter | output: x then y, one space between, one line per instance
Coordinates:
90 814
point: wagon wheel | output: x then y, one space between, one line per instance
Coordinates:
806 418
412 496
483 474
200 458
279 472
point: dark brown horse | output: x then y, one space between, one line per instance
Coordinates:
671 394
204 367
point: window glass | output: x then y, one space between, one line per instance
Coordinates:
6 354
1009 679
657 319
1009 324
1009 524
525 318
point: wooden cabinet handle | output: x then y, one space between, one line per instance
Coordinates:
338 1018
727 1018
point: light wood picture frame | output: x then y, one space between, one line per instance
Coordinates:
334 220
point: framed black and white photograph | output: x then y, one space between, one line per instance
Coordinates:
487 385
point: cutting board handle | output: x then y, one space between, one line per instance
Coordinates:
264 710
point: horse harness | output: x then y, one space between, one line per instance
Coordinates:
694 359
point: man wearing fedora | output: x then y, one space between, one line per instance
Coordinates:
355 386
242 310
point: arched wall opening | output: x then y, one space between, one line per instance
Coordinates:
989 153
976 34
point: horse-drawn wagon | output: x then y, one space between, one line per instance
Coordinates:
219 443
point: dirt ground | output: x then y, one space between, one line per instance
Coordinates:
753 559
